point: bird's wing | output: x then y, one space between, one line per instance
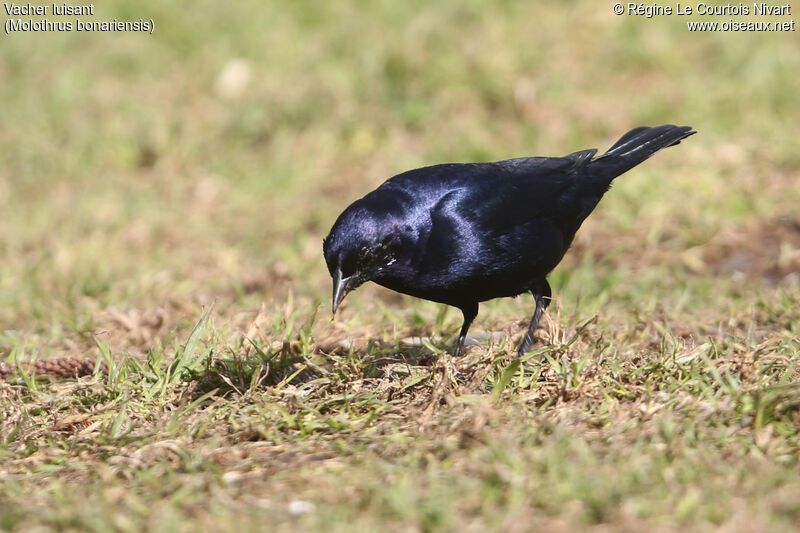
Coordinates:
502 193
522 190
498 206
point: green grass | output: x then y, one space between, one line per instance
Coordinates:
165 216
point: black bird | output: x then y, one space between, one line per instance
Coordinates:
461 234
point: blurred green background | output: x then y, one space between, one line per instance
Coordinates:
138 168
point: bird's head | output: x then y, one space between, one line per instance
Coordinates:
359 248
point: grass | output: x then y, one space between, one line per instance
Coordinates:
164 198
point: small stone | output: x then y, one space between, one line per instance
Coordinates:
300 507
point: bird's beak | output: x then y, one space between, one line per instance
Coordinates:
341 286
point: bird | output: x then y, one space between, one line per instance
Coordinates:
464 233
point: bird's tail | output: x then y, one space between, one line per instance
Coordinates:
634 147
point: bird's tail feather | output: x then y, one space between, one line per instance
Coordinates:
636 146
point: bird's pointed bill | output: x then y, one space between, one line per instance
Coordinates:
341 286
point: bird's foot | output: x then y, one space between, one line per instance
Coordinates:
521 352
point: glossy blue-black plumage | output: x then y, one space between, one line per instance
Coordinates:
465 233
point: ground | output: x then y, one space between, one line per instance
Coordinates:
164 199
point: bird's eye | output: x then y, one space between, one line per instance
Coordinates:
348 265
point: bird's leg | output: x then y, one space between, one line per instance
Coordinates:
542 295
470 312
537 315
